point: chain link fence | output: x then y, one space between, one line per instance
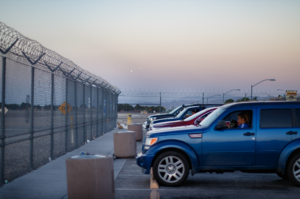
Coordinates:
46 111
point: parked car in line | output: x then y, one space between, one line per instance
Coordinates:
192 120
270 143
185 113
173 114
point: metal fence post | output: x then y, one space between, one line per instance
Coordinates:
117 102
52 119
66 118
105 94
31 117
103 128
91 110
84 133
108 107
2 133
97 112
112 111
160 102
75 123
101 111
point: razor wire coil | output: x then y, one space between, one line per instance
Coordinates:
14 42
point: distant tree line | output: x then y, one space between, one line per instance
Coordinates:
128 108
25 106
239 100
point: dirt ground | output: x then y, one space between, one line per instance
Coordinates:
135 117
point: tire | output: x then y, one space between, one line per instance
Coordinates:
170 168
283 176
293 170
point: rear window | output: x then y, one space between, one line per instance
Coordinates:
298 115
276 118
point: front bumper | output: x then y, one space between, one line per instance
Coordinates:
148 123
145 162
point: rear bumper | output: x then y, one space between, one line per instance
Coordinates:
144 161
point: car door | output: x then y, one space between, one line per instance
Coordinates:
232 146
275 130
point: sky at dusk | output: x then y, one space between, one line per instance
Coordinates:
200 45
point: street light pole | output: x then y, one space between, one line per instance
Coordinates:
259 83
230 91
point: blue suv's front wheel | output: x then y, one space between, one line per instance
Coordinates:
170 168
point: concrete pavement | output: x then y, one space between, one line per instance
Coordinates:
49 181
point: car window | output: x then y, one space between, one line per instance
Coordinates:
181 113
298 115
189 113
177 110
234 116
197 114
227 118
200 119
276 118
184 113
212 117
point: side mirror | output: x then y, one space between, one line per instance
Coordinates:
221 125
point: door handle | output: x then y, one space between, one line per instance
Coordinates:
249 134
291 132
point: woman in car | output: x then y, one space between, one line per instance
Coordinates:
243 120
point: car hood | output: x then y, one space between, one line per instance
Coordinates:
175 130
165 120
161 115
169 123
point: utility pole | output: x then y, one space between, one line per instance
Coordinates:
203 99
160 102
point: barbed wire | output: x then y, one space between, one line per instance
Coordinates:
14 42
242 93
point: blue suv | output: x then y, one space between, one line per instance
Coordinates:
270 144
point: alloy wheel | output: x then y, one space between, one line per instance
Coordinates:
296 169
171 169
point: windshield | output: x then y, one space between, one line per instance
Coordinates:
176 109
212 117
197 114
181 113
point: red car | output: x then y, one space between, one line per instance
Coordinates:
192 120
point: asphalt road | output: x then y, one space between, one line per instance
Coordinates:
132 183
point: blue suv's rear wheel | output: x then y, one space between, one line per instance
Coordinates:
170 168
293 170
